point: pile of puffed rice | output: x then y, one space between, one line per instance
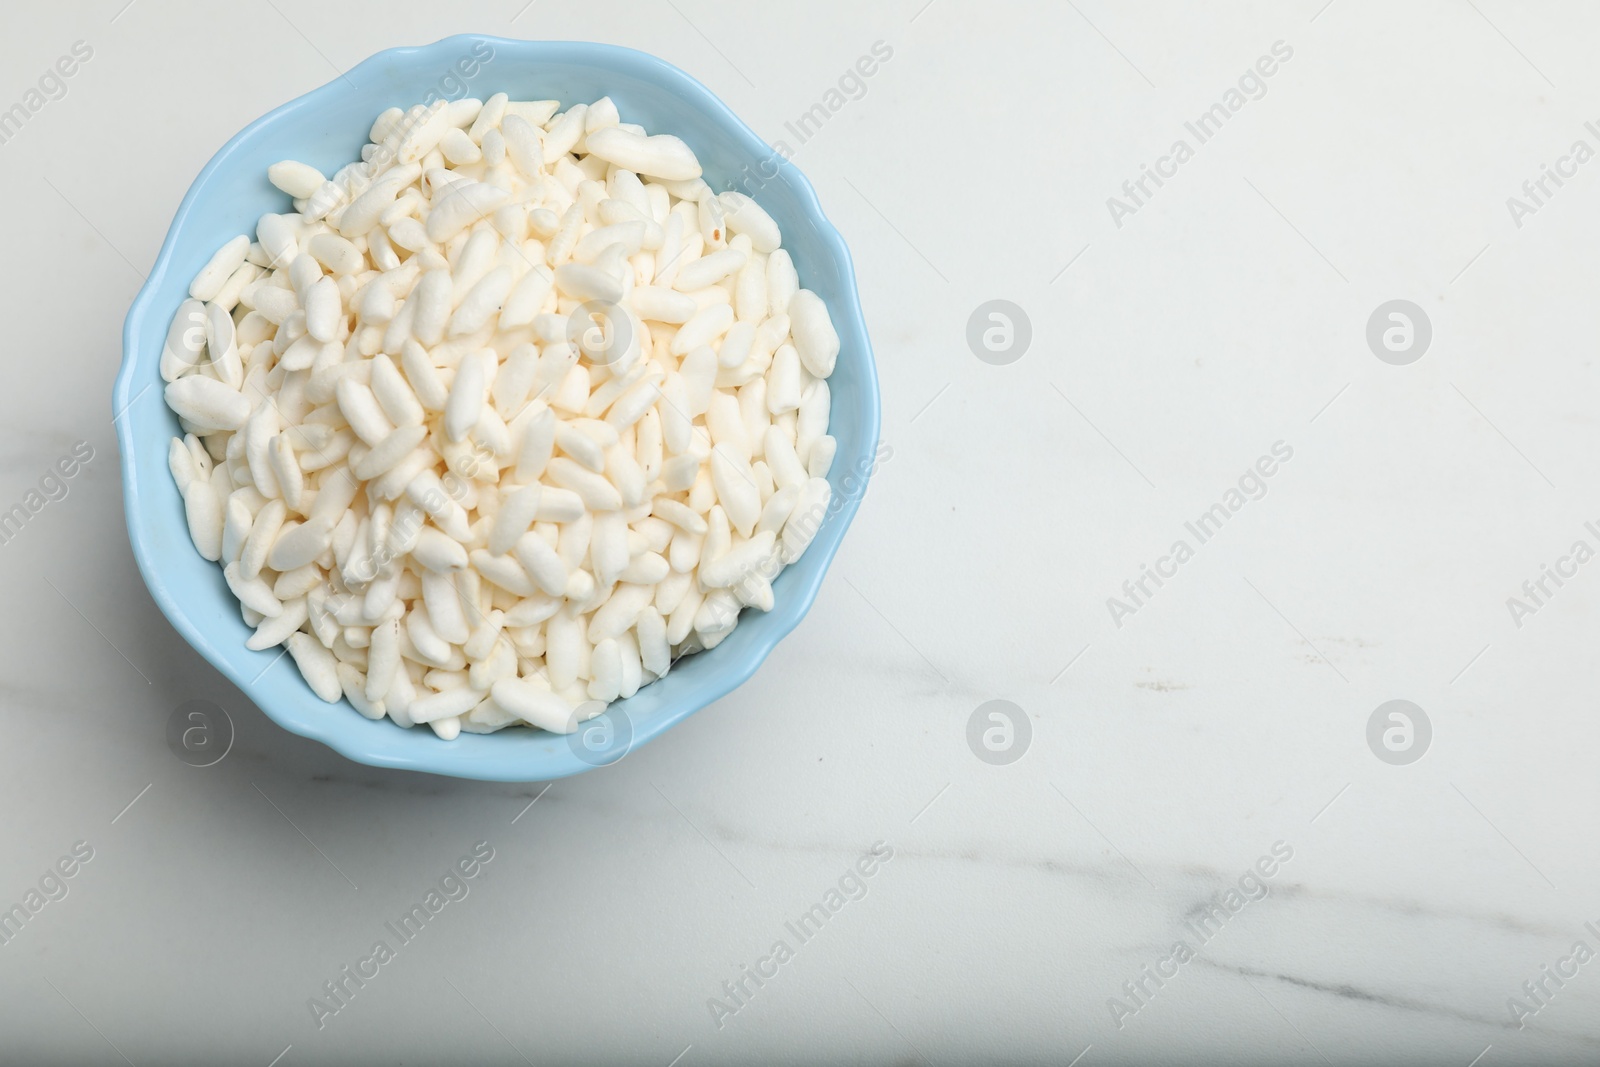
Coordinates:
503 419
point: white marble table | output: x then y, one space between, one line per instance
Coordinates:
1175 339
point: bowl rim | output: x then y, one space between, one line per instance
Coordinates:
502 766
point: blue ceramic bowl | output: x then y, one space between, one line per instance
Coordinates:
326 128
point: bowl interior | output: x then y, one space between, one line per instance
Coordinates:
326 129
